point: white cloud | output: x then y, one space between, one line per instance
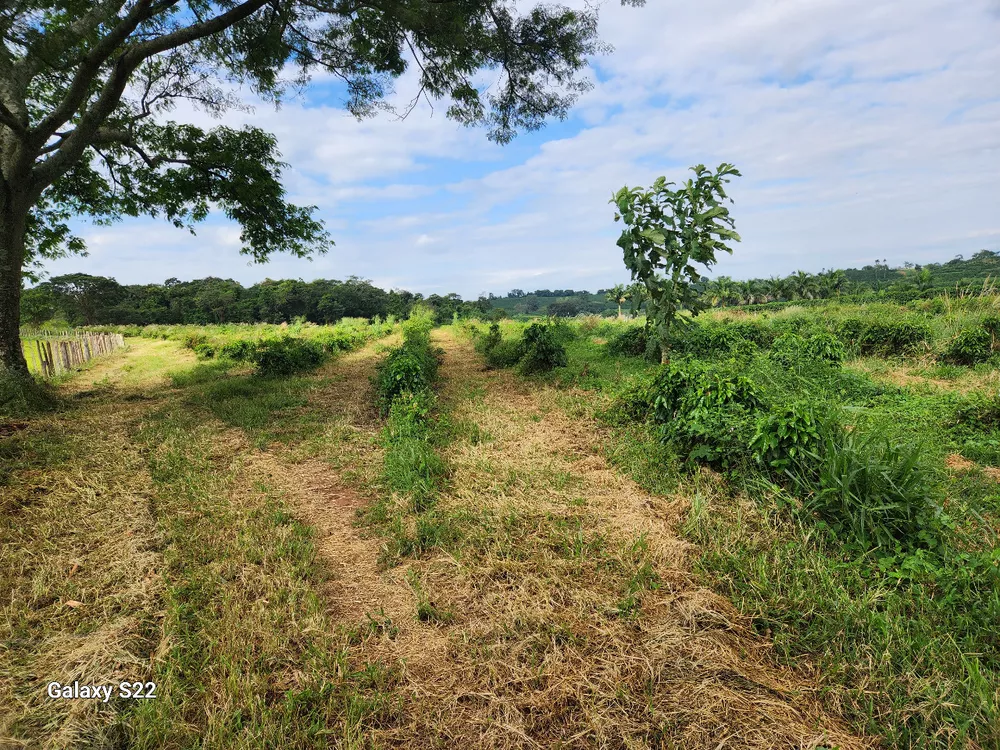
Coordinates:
862 129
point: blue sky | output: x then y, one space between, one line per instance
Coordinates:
863 130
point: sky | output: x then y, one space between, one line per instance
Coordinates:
862 129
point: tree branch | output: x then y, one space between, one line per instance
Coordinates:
73 147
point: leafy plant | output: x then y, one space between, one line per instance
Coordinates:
707 411
409 368
969 347
287 356
871 493
506 353
788 434
883 338
542 350
667 231
630 343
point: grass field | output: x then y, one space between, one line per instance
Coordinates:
393 535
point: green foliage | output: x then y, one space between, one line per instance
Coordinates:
22 397
871 493
287 356
240 350
631 342
790 349
539 349
492 338
788 434
667 231
707 411
411 368
970 347
204 351
883 338
506 353
542 350
412 467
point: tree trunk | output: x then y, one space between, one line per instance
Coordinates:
13 220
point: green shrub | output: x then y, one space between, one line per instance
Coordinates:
969 347
791 349
491 339
204 351
286 356
628 343
240 350
506 353
193 340
542 349
788 434
411 367
707 411
883 338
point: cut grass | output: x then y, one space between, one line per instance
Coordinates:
567 613
900 656
190 573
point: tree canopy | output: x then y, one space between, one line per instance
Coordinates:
87 88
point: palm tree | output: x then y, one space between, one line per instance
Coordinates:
618 294
727 290
804 284
833 282
638 294
925 279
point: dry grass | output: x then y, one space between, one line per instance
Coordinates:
80 565
538 647
565 614
960 464
912 375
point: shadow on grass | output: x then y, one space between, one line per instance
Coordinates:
268 409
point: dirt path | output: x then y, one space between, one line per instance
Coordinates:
567 615
312 484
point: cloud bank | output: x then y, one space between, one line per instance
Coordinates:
862 130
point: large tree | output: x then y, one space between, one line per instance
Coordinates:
86 87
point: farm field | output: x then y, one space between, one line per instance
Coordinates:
400 535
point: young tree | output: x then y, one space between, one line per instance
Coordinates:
667 232
85 87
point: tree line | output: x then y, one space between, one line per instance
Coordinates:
82 299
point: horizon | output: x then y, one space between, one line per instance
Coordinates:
858 127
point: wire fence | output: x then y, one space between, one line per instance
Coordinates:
51 354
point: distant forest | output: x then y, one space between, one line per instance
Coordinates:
82 299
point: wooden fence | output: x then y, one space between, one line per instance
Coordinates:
53 354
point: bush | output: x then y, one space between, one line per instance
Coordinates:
287 356
504 354
193 340
791 349
969 347
240 350
204 351
883 338
628 343
788 434
411 368
706 411
542 350
494 337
